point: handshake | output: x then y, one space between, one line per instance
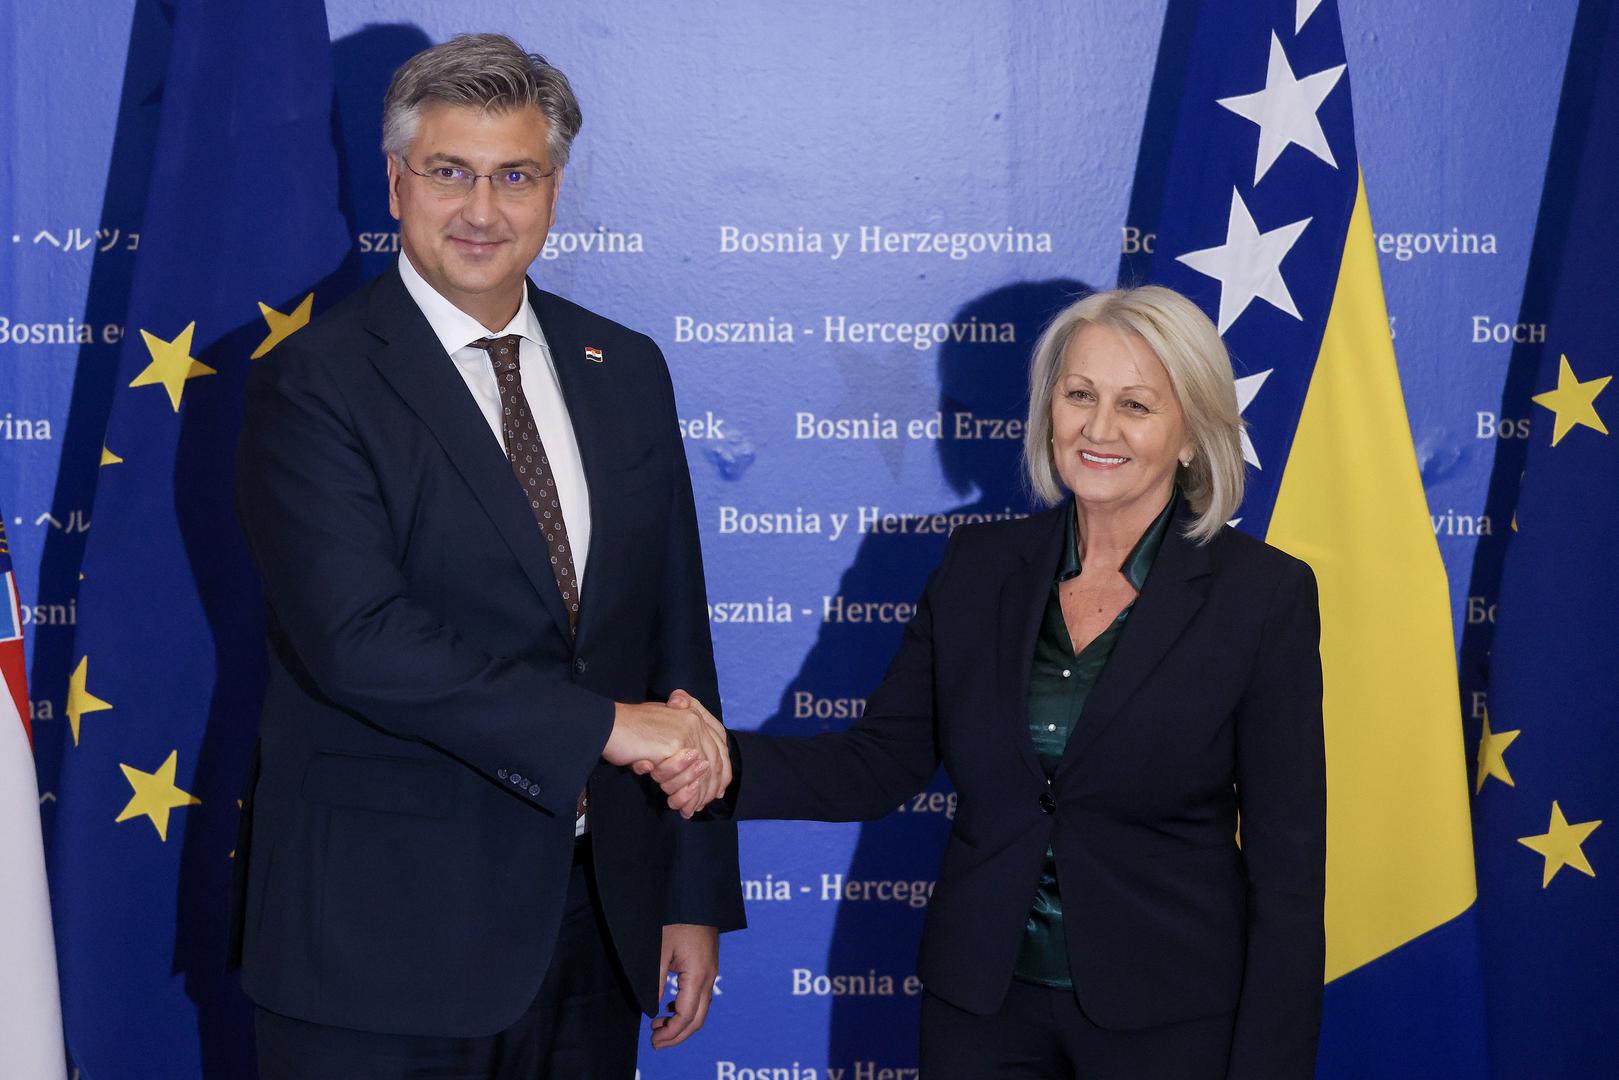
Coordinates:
679 744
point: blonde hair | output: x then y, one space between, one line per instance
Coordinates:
1190 348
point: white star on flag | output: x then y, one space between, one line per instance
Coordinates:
1285 110
1305 9
1247 389
1248 264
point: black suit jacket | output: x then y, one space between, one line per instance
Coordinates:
1210 704
429 719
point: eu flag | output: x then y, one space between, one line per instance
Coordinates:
1546 808
242 235
1264 222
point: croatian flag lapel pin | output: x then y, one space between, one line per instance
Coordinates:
593 354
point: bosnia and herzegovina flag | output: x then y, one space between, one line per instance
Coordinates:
242 224
1546 808
1264 222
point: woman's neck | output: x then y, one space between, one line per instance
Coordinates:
1107 533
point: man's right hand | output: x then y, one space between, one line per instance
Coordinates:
653 731
681 777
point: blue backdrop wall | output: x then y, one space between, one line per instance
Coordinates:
740 191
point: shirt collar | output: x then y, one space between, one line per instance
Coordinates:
454 328
1138 562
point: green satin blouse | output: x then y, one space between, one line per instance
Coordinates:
1058 689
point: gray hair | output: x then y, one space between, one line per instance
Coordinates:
1190 348
479 71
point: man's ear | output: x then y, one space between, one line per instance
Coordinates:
395 176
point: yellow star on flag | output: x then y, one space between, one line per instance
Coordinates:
155 795
1560 845
108 457
1573 402
79 699
1492 745
172 364
283 326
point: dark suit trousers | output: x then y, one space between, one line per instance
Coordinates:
1042 1034
583 1023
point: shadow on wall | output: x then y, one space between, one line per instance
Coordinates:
848 661
227 583
1541 285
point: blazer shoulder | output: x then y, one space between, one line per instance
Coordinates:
597 328
1250 558
332 338
1002 538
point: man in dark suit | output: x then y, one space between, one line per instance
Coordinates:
469 504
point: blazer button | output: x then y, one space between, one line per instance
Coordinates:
518 780
502 773
1048 805
534 789
579 665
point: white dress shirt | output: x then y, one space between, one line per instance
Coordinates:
456 331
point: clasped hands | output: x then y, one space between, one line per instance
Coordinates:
679 744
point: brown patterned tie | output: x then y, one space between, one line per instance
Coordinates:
532 468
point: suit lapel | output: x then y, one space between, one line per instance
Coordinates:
416 366
1171 596
1023 604
582 389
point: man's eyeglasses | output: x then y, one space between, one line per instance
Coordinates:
456 182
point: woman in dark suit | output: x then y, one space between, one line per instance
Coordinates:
1108 683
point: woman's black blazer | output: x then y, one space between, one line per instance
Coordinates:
1210 705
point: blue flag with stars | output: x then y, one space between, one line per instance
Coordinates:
242 238
1264 221
1546 802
